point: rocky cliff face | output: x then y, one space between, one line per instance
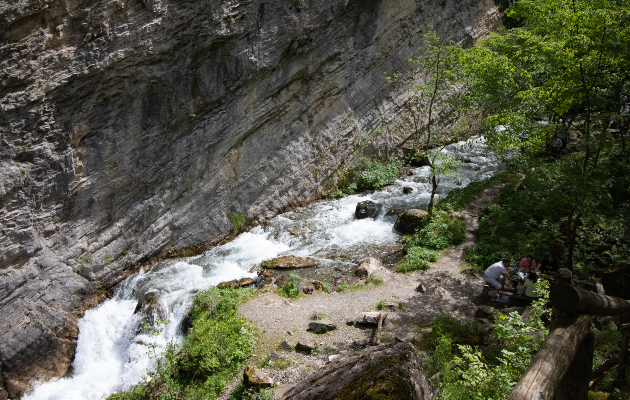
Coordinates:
129 127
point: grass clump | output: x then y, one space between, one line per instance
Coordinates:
442 231
416 259
381 305
237 220
212 355
370 283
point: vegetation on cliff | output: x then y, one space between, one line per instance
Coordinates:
213 353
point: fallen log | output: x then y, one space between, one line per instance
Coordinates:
573 300
550 365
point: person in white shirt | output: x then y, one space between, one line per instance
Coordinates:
497 274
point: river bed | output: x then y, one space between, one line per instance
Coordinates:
112 350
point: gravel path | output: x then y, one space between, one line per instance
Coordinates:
447 291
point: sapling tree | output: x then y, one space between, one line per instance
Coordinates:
435 102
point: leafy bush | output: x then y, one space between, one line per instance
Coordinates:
468 375
377 175
212 354
442 231
290 290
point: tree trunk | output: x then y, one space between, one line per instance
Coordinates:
433 191
571 299
551 364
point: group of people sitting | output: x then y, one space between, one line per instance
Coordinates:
497 274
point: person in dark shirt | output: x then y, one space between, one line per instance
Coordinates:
549 265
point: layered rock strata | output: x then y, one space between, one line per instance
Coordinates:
131 127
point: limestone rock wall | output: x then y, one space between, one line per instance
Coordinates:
128 127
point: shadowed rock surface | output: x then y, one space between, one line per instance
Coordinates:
389 371
130 128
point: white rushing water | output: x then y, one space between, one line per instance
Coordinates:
112 352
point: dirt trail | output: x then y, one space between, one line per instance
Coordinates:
447 291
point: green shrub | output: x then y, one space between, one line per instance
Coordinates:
237 220
442 231
422 253
381 305
211 356
377 175
290 290
326 287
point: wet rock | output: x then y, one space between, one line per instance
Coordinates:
237 283
295 231
410 221
290 262
149 305
306 344
367 209
321 327
407 189
390 372
318 285
256 379
186 323
368 267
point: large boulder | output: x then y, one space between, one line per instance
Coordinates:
410 221
290 262
367 209
256 379
368 267
151 307
389 372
